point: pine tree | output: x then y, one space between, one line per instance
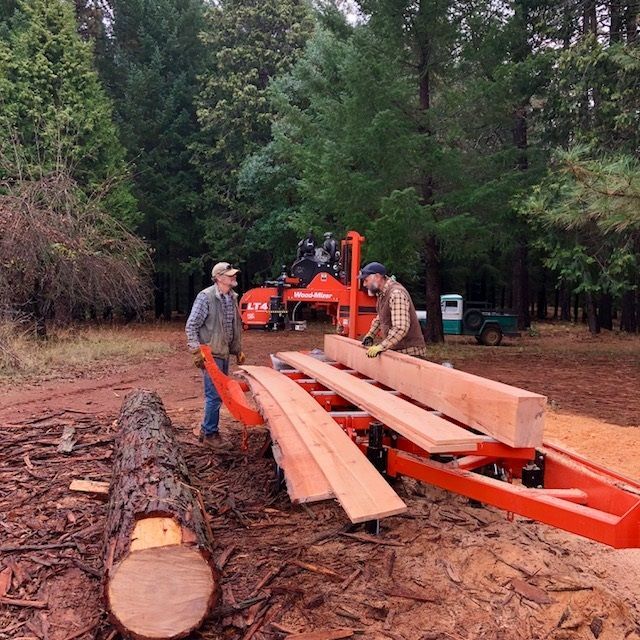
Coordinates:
589 116
586 213
249 43
55 113
152 60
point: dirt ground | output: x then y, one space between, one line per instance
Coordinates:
444 570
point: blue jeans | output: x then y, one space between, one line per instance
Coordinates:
212 400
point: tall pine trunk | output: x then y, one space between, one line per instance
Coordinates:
629 315
434 331
616 21
520 284
565 303
591 313
631 22
605 311
520 277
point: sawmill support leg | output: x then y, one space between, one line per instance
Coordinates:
372 527
376 453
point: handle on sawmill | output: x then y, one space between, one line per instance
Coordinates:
230 391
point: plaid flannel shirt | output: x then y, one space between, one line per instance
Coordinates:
400 305
199 313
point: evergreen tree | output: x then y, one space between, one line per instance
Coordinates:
587 214
589 114
365 140
55 113
153 57
248 44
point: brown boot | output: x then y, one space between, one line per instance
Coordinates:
211 440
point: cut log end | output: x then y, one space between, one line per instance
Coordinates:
162 591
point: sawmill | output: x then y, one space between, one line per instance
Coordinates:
342 427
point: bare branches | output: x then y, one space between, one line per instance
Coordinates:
61 253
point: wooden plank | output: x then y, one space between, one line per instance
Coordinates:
513 416
90 486
432 433
304 478
361 491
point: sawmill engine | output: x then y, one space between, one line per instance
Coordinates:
307 267
312 259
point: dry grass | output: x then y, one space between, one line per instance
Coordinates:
72 350
561 339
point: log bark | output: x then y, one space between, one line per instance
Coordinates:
160 579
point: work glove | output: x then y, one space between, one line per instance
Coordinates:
367 341
375 351
240 358
198 359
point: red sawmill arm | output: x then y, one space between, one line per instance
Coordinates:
231 391
577 495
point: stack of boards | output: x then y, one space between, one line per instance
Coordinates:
320 461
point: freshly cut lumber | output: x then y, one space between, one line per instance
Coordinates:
432 433
90 486
508 414
361 491
160 579
305 480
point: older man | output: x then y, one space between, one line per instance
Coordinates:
397 321
215 321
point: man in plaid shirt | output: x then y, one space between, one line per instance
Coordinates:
215 321
397 321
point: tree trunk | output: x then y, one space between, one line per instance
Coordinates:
158 293
160 580
541 311
589 17
565 303
631 22
616 22
605 309
168 298
629 315
520 281
521 285
592 316
191 290
434 332
567 27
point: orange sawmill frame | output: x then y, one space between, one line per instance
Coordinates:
577 495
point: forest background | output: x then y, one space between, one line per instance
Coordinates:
489 148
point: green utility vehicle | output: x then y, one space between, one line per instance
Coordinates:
474 319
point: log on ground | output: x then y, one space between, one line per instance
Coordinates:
160 579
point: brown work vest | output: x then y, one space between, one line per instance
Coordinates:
414 337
